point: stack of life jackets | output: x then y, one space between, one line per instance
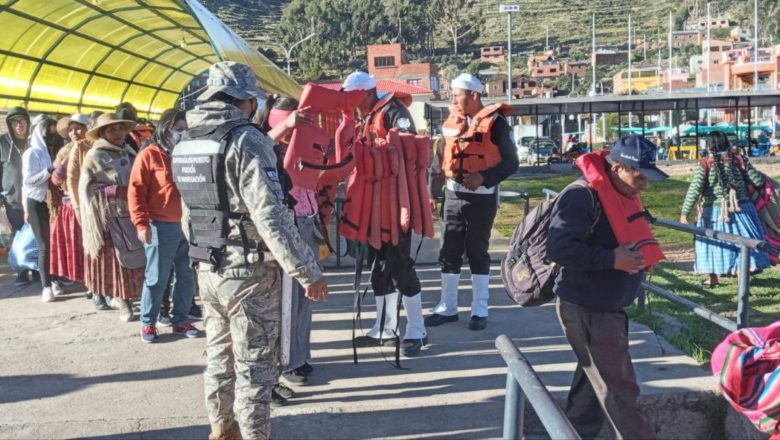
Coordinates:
387 192
315 158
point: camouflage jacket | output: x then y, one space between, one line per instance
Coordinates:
253 187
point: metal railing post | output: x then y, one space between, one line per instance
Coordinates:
513 409
339 202
527 204
641 300
744 287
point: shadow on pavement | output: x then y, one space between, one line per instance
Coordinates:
38 386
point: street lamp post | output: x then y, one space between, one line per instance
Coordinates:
288 52
509 9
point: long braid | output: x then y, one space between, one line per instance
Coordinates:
718 145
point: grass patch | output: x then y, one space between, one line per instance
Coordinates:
697 337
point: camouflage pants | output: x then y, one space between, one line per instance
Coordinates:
242 313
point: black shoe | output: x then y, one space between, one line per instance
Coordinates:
478 323
195 312
294 377
283 391
88 295
22 279
368 341
412 347
100 302
277 399
306 369
436 320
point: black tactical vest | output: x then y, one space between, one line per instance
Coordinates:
198 165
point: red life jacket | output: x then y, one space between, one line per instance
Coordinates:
423 161
307 154
376 124
341 154
625 215
468 149
410 162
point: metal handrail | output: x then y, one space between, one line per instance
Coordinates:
746 245
523 383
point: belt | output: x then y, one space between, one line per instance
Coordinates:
457 187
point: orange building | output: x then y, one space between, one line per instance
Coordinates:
740 69
544 67
388 61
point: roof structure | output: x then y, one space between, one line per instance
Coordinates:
65 56
438 110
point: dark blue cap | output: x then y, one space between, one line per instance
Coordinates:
637 152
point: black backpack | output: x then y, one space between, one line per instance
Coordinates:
527 273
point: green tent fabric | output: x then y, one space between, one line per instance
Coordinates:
66 56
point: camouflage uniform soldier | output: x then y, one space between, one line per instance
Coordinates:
240 235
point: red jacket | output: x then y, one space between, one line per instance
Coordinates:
152 195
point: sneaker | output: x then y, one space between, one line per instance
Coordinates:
186 329
22 279
436 320
88 295
56 288
195 312
100 302
125 309
478 323
294 377
277 399
412 347
283 391
46 295
148 334
164 320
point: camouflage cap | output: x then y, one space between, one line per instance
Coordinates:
232 78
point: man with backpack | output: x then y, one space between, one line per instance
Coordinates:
601 239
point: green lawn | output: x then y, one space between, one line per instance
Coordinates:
664 199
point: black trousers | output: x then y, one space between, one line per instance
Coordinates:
38 218
392 267
604 385
466 222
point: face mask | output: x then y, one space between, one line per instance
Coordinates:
174 136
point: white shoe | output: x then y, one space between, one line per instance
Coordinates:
46 295
480 288
56 289
448 305
390 304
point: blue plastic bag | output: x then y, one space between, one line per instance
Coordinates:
24 250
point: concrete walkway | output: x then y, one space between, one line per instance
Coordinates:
67 370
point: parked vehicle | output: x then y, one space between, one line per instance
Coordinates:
541 151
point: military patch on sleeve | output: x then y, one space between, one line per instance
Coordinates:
272 173
404 123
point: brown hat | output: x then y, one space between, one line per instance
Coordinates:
64 123
105 120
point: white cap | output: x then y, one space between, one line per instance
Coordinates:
467 81
358 80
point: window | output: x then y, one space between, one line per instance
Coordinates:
539 71
384 61
553 70
414 82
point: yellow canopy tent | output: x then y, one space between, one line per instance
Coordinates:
66 56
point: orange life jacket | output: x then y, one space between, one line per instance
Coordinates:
625 215
468 149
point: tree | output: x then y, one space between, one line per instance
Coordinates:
461 19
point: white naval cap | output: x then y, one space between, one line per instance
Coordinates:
358 80
467 81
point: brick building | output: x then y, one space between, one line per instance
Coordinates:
387 61
544 67
493 54
686 38
576 68
608 57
